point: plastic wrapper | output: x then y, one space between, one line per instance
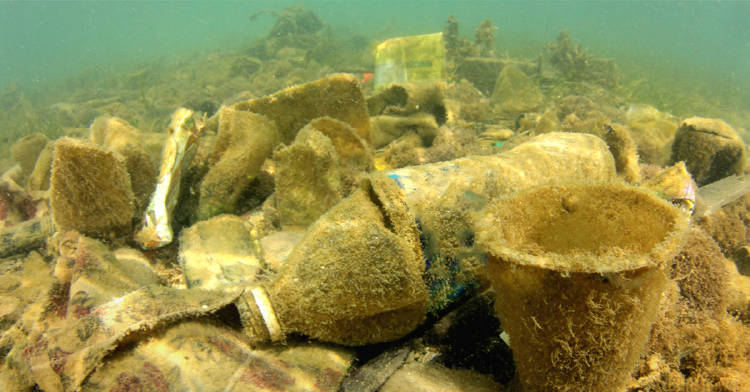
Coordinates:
419 58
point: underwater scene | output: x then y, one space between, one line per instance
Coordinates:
432 196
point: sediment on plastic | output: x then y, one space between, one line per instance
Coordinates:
90 190
244 141
26 151
355 278
308 180
515 92
404 99
579 272
40 175
445 197
675 185
218 253
624 151
355 153
337 96
548 158
387 128
115 134
711 149
25 236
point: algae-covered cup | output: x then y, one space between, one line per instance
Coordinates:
578 272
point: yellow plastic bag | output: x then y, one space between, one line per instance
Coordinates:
419 58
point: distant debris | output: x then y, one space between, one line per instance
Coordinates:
293 20
576 65
720 193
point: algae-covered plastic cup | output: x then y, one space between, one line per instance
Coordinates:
579 271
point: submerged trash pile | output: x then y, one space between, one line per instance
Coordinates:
416 232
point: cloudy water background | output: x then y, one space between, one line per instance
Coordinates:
673 46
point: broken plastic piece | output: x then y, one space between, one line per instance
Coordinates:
720 193
184 130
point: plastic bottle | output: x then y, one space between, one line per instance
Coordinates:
374 266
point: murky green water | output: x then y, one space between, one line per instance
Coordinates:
674 50
335 227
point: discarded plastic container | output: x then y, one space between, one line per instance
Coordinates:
419 58
578 272
374 266
156 228
445 198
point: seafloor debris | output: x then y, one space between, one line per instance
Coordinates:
577 281
325 163
482 72
652 131
675 185
415 59
117 135
244 141
408 108
25 152
576 65
387 128
710 148
313 245
720 193
337 96
365 289
40 175
623 149
156 227
25 236
309 178
515 92
229 236
90 190
485 38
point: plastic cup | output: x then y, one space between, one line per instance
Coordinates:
578 271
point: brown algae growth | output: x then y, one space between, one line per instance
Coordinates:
318 227
579 272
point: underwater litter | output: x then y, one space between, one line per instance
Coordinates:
336 235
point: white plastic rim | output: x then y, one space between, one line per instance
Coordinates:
267 312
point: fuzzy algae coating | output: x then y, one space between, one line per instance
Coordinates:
354 152
308 180
355 278
338 96
579 272
244 141
115 134
515 92
325 163
40 175
90 190
710 148
26 150
623 149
